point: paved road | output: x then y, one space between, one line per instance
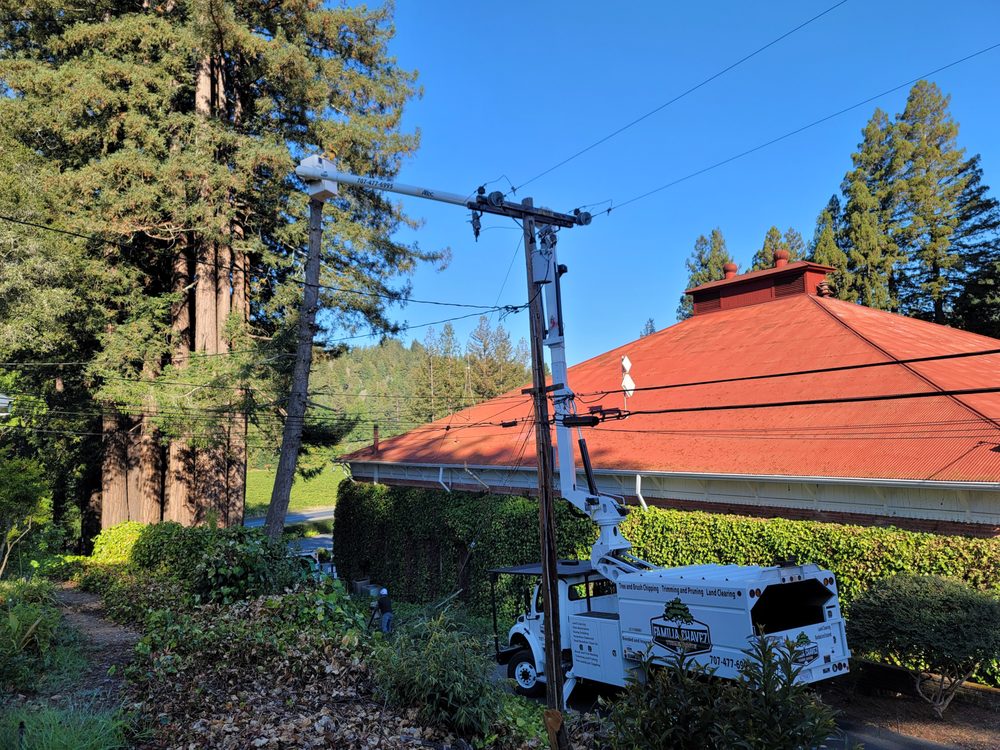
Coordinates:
316 514
310 544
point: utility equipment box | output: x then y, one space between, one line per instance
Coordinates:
711 612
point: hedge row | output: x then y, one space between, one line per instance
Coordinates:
426 543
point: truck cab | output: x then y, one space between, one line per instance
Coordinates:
582 592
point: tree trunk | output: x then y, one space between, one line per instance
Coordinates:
150 473
114 474
237 474
209 463
179 469
291 439
91 497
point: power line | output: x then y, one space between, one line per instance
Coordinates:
798 130
677 98
217 267
796 373
814 401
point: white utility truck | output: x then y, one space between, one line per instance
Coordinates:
615 608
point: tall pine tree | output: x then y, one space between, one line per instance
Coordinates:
870 216
172 130
705 264
930 180
775 241
977 307
825 249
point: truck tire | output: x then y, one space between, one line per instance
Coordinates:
521 669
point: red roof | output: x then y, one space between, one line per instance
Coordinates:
945 438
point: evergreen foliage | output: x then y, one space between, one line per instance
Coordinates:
170 131
774 241
399 387
378 534
920 231
680 706
705 264
825 249
648 328
949 631
930 180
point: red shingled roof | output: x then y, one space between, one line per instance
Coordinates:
935 438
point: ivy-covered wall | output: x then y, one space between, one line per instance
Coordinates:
420 543
424 544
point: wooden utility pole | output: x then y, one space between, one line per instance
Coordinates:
315 170
295 411
546 495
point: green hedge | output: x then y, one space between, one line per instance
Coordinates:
423 544
415 541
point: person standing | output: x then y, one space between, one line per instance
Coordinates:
385 610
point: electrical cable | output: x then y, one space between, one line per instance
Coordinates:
798 130
796 373
677 98
814 401
217 267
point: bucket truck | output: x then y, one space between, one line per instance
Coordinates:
616 609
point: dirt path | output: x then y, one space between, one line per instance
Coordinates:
105 645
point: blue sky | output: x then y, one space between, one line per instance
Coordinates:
512 88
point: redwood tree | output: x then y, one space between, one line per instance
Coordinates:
169 132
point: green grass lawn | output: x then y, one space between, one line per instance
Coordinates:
306 493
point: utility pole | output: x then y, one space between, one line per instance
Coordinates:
546 515
295 411
321 178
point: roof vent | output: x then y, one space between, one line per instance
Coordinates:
784 280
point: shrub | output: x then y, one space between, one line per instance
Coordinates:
674 706
115 545
130 597
97 577
449 544
941 630
518 723
682 706
63 729
171 548
767 709
441 672
22 487
247 634
424 556
62 567
29 632
238 563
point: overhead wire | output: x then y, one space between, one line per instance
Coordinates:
217 267
678 97
796 131
797 373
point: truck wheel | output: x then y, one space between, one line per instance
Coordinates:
521 669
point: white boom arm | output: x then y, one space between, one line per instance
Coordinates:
609 555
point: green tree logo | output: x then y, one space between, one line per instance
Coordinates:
677 611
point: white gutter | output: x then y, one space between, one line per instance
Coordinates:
780 478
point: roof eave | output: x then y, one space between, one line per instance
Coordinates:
911 483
